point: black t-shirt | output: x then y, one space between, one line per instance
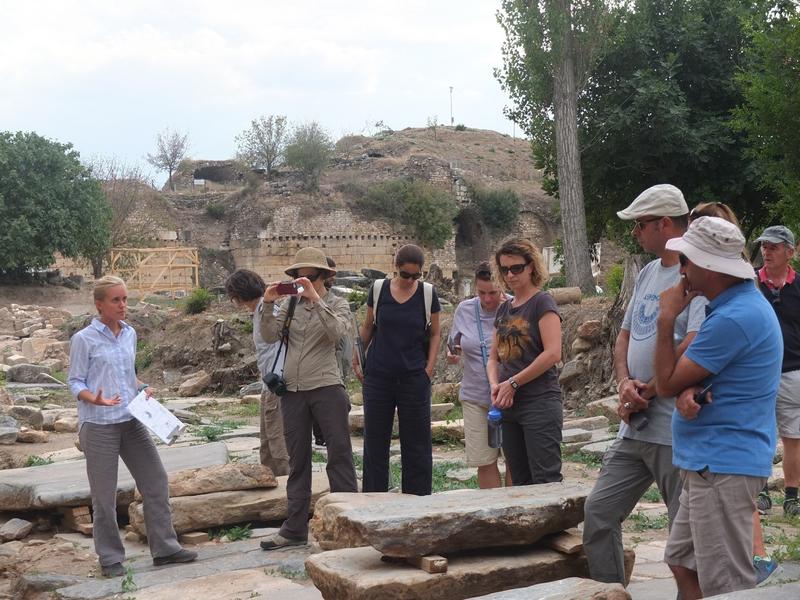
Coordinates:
786 303
519 342
399 342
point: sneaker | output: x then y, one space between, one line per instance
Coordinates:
181 556
276 541
765 569
112 570
763 502
791 507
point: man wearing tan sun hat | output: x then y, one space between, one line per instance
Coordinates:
723 443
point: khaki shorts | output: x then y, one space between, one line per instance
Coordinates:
476 435
713 530
787 406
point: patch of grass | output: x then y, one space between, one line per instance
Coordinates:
215 210
441 483
613 428
589 460
358 461
2 378
318 457
287 572
357 297
144 355
788 548
234 533
245 410
643 522
653 494
455 413
245 326
61 376
37 461
198 301
128 584
441 435
213 431
461 127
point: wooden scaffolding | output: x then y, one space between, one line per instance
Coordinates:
150 270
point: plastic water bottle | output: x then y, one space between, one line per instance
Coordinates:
495 421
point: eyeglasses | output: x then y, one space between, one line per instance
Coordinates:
640 223
515 269
683 260
407 275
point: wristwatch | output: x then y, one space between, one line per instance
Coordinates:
513 383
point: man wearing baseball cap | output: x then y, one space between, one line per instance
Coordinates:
723 447
780 285
642 454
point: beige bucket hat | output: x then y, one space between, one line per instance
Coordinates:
309 258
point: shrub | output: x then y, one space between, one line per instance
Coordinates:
144 356
461 127
198 301
614 279
427 210
499 209
215 210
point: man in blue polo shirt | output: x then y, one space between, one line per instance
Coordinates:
724 447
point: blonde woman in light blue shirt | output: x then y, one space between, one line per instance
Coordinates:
102 378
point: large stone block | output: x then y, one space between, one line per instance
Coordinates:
468 519
219 478
26 373
325 526
195 384
30 416
15 529
572 588
605 407
66 484
191 513
359 573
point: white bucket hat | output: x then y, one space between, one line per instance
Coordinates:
663 200
714 244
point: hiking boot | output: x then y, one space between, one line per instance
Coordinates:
181 556
763 502
791 507
112 570
276 541
765 569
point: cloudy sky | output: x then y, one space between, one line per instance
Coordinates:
107 76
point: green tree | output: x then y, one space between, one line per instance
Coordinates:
770 114
548 54
499 209
657 109
262 145
310 150
48 203
171 148
418 205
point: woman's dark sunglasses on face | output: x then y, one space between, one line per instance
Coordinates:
407 275
515 269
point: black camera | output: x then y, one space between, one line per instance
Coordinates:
275 383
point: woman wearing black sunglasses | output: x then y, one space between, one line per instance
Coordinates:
399 366
522 373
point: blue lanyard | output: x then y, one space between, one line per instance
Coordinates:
484 351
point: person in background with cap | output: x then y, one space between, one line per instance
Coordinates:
314 389
723 447
780 285
642 453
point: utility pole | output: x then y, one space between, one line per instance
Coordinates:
451 105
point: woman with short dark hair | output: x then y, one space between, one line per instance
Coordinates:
522 366
400 362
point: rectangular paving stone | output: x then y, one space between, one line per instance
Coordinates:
359 573
467 519
66 484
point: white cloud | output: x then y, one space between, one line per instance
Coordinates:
108 76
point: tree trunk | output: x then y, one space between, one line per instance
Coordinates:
171 184
568 162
